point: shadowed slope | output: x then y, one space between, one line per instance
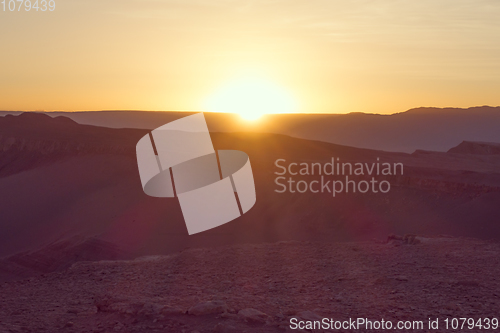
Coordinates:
96 192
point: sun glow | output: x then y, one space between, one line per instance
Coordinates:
251 98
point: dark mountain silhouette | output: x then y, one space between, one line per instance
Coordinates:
60 180
421 128
477 148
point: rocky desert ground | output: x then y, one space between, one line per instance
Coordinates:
260 287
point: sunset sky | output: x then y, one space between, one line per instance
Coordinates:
331 56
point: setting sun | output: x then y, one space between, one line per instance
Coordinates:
251 98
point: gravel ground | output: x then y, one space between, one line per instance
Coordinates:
259 288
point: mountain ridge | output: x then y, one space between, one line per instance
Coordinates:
436 129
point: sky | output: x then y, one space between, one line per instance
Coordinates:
333 56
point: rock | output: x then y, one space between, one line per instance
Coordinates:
394 237
309 315
206 308
151 309
171 311
103 302
252 315
410 239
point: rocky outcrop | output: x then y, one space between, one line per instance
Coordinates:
206 308
57 256
476 148
454 188
39 133
30 140
253 315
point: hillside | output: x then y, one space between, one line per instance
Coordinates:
68 180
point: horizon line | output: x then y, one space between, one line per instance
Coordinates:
268 114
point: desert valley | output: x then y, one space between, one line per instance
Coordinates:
84 249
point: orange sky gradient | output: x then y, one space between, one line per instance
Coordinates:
332 56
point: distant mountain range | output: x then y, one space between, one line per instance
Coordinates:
421 128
